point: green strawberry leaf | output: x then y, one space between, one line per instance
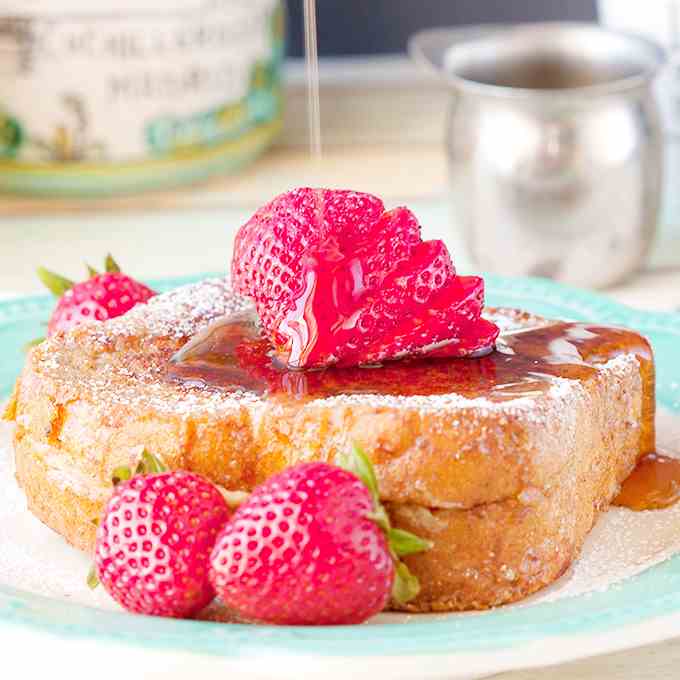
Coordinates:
111 265
121 474
359 464
400 542
380 517
91 271
406 585
405 543
57 285
33 343
149 465
92 578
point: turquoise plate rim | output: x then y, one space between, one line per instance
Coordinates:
637 600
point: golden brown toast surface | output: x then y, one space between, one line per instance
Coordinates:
505 469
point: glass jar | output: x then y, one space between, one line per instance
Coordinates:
135 94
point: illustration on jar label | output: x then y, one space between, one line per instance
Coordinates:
69 141
261 104
11 136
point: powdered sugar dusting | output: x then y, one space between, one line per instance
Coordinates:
144 339
559 389
182 312
622 544
621 364
34 558
512 320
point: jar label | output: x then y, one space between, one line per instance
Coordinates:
101 89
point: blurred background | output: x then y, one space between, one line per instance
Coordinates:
384 26
153 130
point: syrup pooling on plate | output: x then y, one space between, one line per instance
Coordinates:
233 355
654 484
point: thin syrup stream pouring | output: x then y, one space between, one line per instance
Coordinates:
312 67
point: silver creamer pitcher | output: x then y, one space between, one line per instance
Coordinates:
554 145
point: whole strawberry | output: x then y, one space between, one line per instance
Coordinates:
154 542
102 296
312 546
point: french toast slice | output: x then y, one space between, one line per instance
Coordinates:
504 462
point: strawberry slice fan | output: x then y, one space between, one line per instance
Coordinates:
336 279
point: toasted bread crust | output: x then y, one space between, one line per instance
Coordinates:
501 552
504 489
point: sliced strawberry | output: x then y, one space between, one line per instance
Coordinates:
451 319
336 280
474 338
292 224
351 215
337 317
422 277
390 244
269 248
415 284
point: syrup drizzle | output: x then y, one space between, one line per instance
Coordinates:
233 355
312 67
